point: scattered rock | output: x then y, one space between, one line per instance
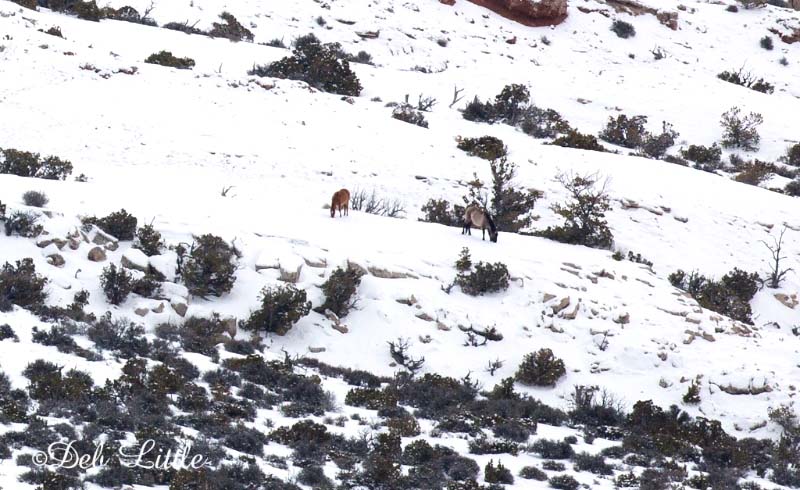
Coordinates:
623 319
389 274
56 260
319 263
97 254
411 301
165 264
441 326
180 307
142 311
547 297
111 246
424 317
74 243
58 242
316 350
135 259
787 300
159 308
358 267
573 314
561 305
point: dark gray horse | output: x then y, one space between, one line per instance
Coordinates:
479 218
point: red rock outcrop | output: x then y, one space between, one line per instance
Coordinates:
528 12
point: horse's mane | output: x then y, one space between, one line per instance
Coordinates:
491 222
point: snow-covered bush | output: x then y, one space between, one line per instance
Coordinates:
747 80
708 158
485 278
184 27
623 29
656 146
22 223
793 188
510 205
543 123
20 285
580 141
166 58
119 224
730 296
339 289
565 482
27 164
477 111
584 215
202 335
625 131
320 65
497 474
87 11
443 212
372 203
6 332
792 156
209 269
407 113
35 199
511 103
593 463
230 29
532 473
755 172
766 43
486 147
281 308
117 284
540 368
148 240
119 335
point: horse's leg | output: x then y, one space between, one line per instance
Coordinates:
484 233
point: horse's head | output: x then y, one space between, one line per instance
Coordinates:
333 211
493 236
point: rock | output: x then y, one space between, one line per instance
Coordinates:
453 2
441 326
290 269
424 317
318 262
389 274
547 297
165 264
97 254
561 305
669 19
267 260
231 326
573 314
316 350
623 319
74 243
56 260
46 242
135 259
111 246
358 267
528 12
681 219
159 308
97 236
411 301
142 311
340 328
786 300
180 307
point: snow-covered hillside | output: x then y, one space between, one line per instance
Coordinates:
255 161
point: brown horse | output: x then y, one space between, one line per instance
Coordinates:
340 200
479 218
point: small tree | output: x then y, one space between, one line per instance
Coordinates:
792 156
281 307
540 368
20 285
117 284
148 240
776 274
209 269
741 132
511 102
339 290
584 215
510 205
464 262
486 278
628 132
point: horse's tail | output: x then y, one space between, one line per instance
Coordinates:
491 221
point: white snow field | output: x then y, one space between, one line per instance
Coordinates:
164 144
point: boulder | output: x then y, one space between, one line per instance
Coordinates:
165 264
231 326
135 259
389 274
97 254
528 12
561 305
787 300
142 311
290 268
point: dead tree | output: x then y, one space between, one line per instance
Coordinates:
399 352
776 273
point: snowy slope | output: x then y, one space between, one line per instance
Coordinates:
163 143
